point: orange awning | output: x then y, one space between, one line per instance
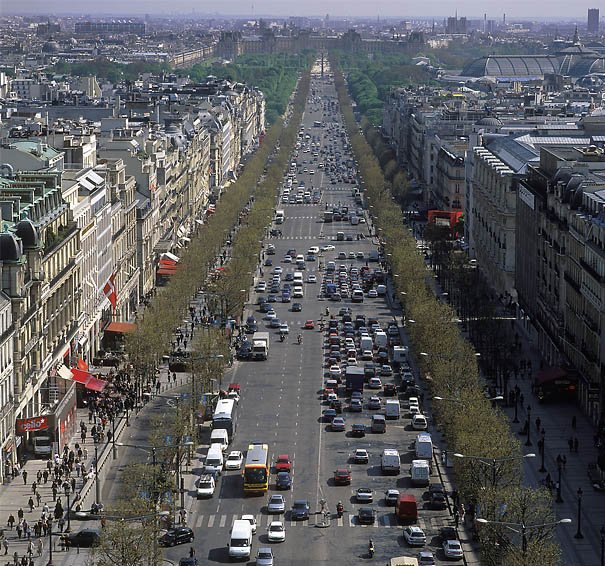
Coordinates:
165 271
121 327
96 384
81 376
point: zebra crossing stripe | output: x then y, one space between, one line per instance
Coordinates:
199 521
211 521
223 521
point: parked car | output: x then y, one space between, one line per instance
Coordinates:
84 538
177 535
452 549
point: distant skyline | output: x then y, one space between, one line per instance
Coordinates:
514 9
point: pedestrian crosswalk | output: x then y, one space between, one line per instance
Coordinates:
221 521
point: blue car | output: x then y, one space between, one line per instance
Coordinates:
283 480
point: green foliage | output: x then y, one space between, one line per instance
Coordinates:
103 68
274 74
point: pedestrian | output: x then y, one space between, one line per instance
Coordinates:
573 422
24 474
30 502
73 485
11 521
575 444
191 552
19 531
564 460
20 514
45 476
61 523
38 498
16 557
521 399
40 547
538 422
30 548
5 545
570 443
54 489
39 476
34 486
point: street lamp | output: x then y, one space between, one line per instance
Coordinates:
559 468
67 493
492 462
97 485
516 396
50 542
542 449
579 534
522 528
528 442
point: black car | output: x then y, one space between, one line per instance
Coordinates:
300 510
244 353
366 516
296 307
358 430
283 480
84 538
268 262
251 328
188 561
448 533
272 298
178 535
437 500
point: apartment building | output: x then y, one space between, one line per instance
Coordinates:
7 386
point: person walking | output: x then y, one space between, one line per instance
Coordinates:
5 545
570 443
575 444
40 547
38 498
11 521
538 423
30 503
24 475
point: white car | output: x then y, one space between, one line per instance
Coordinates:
205 486
284 328
234 460
313 250
252 520
419 422
452 549
327 248
261 287
277 270
372 293
335 371
311 278
414 536
375 383
276 532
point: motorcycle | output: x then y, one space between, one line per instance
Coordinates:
339 510
282 337
371 549
300 338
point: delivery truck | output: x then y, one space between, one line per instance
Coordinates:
354 379
260 345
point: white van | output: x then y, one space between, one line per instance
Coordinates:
380 339
424 447
366 343
298 278
392 409
240 543
420 472
214 459
220 436
400 355
390 462
279 216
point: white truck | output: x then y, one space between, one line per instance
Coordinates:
392 409
420 473
390 462
260 345
400 355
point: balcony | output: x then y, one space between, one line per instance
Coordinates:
572 282
592 271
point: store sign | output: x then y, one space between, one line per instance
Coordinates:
32 424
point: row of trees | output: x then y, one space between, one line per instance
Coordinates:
490 477
130 535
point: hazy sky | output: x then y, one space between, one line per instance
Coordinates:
561 9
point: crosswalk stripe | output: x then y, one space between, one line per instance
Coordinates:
351 521
340 522
223 521
211 521
199 521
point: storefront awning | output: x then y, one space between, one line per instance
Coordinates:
121 327
81 376
96 384
168 255
165 271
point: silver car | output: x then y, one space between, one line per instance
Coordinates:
276 504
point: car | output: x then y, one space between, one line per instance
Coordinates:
389 390
342 476
361 456
374 403
327 248
372 293
364 495
261 287
84 538
278 269
419 422
276 504
358 430
356 406
276 532
264 557
296 307
328 415
284 328
414 536
386 370
268 262
283 480
311 278
391 496
274 322
335 371
426 558
367 355
300 510
375 383
452 549
285 297
287 259
283 463
338 424
252 520
270 314
309 325
313 250
366 516
189 561
437 498
234 460
336 404
447 533
177 535
271 298
205 486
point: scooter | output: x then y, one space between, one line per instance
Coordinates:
371 549
281 337
339 510
300 338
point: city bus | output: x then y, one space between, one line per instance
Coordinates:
256 469
224 416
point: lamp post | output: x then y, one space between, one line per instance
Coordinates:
67 494
516 396
97 484
493 462
528 441
522 528
602 531
579 534
559 468
113 436
542 448
50 542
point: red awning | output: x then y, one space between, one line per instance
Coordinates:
165 271
168 263
121 327
96 384
81 376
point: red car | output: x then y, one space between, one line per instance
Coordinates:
283 463
342 476
309 325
